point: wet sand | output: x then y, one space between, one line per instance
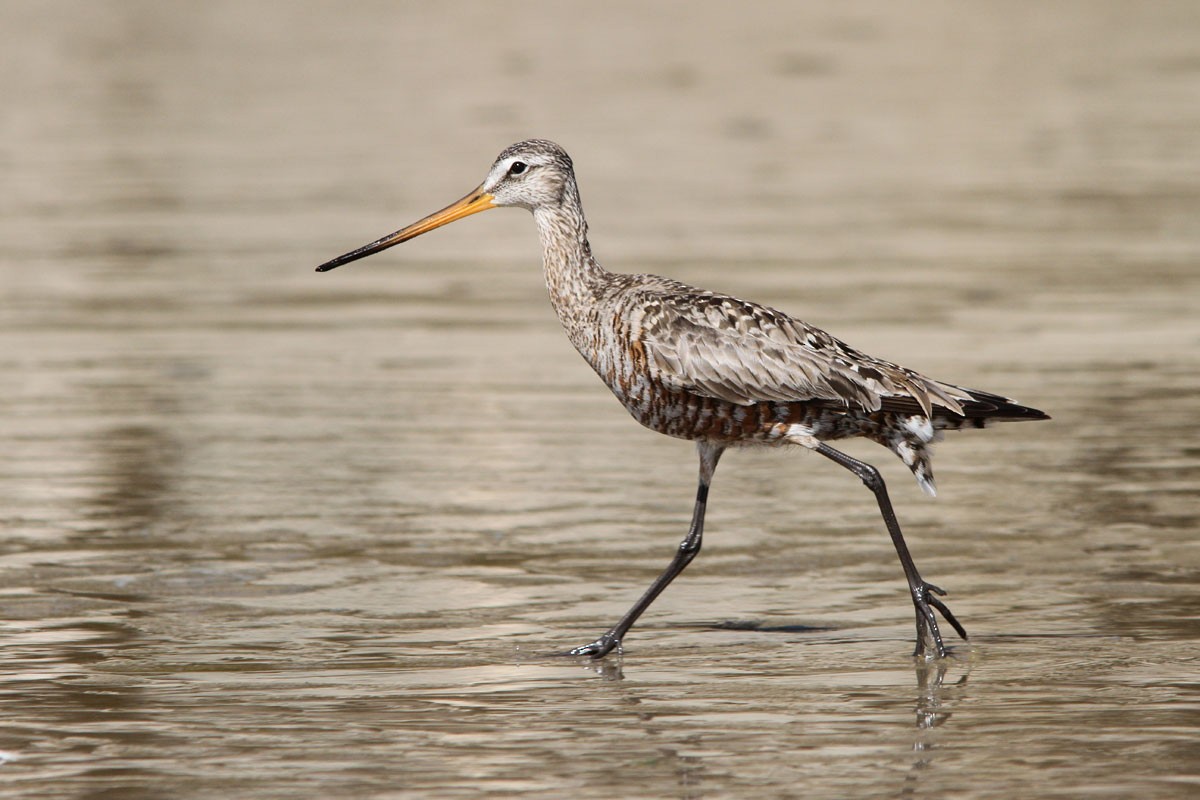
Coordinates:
269 533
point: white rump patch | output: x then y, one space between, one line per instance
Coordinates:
919 427
802 435
906 453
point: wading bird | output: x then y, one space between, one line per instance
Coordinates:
720 371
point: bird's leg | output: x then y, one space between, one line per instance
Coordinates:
687 550
924 594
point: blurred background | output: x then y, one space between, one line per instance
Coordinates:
268 532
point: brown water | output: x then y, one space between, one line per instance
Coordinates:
269 533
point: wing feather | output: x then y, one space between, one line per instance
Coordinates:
721 347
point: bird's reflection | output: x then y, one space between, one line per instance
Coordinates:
140 463
930 679
933 702
607 669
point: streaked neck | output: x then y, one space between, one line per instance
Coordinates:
573 277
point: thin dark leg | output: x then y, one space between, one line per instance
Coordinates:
688 548
924 594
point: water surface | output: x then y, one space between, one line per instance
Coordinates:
269 533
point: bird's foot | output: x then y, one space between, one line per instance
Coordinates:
925 598
599 648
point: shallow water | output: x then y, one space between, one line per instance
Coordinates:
269 533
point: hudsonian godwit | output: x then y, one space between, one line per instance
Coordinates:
720 371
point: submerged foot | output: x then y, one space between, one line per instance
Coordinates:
599 648
925 598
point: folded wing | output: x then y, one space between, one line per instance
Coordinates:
721 347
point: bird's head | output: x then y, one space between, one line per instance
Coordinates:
532 174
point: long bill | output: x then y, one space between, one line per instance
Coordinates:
473 203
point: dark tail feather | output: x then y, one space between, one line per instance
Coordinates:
983 409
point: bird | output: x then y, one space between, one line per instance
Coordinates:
723 372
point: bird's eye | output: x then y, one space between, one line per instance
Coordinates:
517 168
